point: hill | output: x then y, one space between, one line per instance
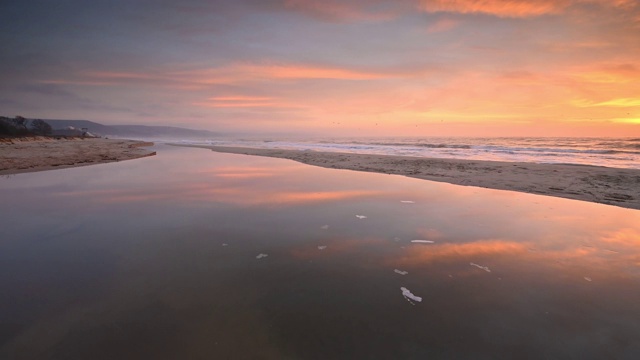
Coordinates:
143 131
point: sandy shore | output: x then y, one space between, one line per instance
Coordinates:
620 187
38 154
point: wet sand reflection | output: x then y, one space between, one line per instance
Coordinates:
159 259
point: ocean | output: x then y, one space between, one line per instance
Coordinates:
609 152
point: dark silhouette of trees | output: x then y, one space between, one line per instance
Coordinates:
6 127
41 127
16 127
21 122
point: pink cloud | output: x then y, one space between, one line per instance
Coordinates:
514 8
243 102
237 73
501 8
442 25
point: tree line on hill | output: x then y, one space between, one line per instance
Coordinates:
20 127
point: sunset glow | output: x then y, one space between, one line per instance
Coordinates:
365 67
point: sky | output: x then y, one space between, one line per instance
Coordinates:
328 68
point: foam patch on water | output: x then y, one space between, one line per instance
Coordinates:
324 227
322 247
225 244
588 278
410 296
260 256
400 272
361 217
407 202
422 241
485 268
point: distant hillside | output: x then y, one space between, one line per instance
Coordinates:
132 130
166 131
93 127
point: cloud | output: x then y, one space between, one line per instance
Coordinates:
47 89
340 10
514 8
442 25
240 102
239 72
380 10
249 71
500 8
632 121
622 103
610 73
119 75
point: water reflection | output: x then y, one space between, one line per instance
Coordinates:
226 184
127 260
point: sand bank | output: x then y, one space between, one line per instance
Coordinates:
38 154
620 187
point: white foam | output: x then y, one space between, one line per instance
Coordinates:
260 256
587 278
361 217
485 268
407 202
400 272
225 244
324 227
396 239
410 296
322 247
422 241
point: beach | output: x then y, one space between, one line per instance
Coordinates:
598 184
612 186
20 155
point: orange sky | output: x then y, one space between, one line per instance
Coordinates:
361 67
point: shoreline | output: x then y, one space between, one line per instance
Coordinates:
610 186
24 155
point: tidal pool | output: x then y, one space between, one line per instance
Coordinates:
194 254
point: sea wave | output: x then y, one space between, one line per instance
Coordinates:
612 152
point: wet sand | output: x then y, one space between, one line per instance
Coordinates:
40 153
619 187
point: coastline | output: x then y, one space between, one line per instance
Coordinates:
40 154
610 186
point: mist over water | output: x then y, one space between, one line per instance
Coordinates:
610 152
